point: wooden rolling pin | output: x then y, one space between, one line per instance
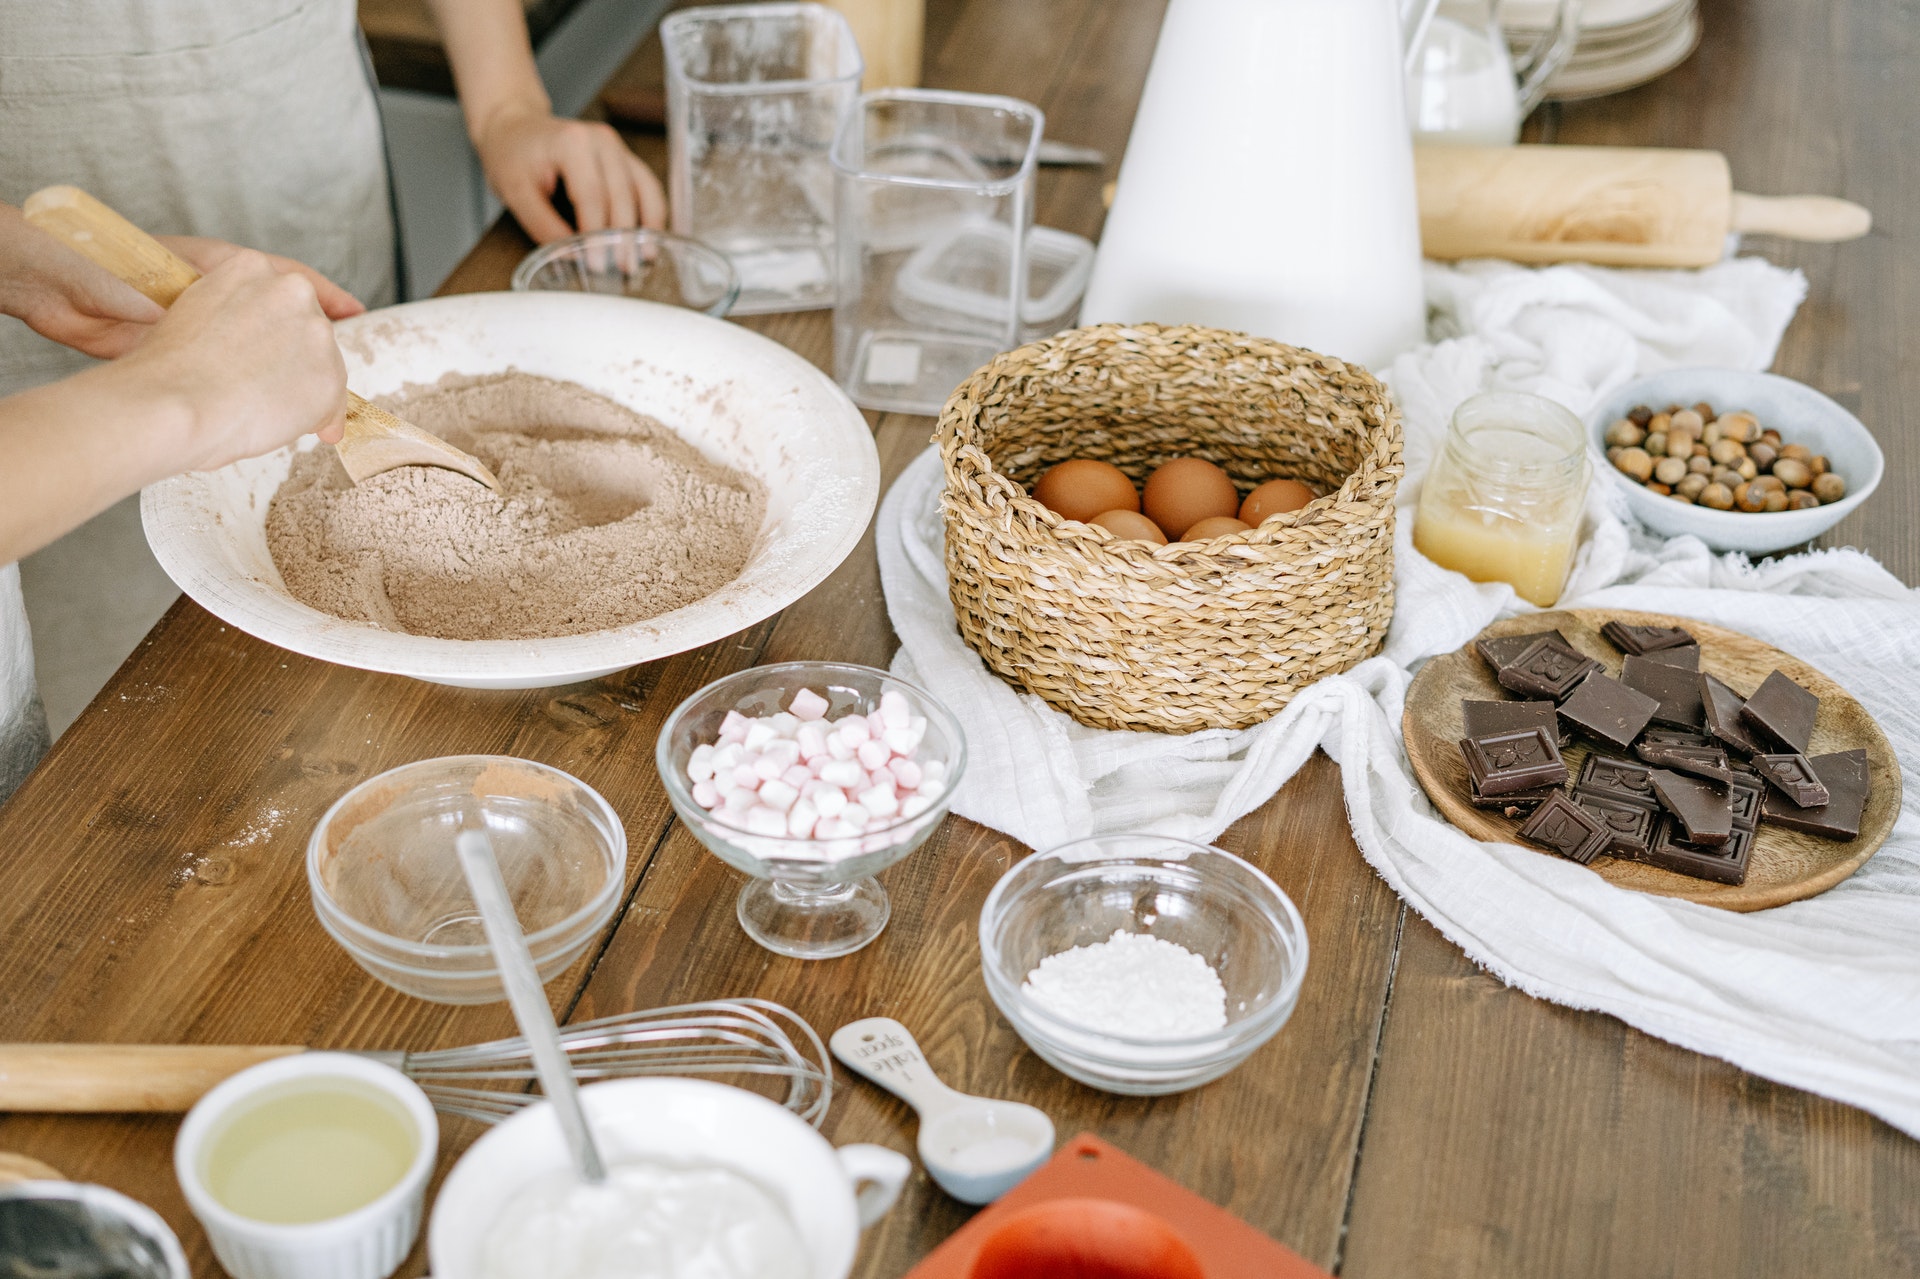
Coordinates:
1615 206
375 439
114 1078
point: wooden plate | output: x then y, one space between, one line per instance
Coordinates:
1786 865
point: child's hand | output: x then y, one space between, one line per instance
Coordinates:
527 152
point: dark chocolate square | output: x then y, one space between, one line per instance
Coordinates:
1709 762
1675 737
1517 804
1501 763
1677 690
1686 657
1481 718
1567 829
1721 706
1723 863
1743 800
1629 826
1604 708
1645 639
1500 650
1783 712
1704 810
1549 668
1626 780
1844 774
1793 776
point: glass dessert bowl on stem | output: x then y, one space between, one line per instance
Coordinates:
809 896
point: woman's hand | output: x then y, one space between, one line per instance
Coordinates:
527 152
207 254
250 353
63 296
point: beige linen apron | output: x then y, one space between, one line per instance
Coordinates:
252 121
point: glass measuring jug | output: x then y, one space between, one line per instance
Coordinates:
755 94
1464 86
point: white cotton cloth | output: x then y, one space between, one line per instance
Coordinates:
1823 994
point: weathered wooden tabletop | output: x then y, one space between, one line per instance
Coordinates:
1416 1117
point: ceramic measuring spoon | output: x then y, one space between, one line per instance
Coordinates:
976 1148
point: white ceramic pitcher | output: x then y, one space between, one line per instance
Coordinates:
1268 184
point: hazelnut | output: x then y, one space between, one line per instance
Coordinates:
1659 422
1671 409
1712 434
1798 452
1701 451
1749 498
1699 464
1738 426
1613 453
1689 421
1770 484
1763 454
1659 488
1636 463
1669 470
1718 496
1655 443
1705 410
1746 468
1691 486
1800 500
1679 444
1792 472
1776 499
1818 464
1624 433
1731 478
1640 415
1771 436
1678 496
1727 452
1829 487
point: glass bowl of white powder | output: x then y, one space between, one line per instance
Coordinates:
1142 964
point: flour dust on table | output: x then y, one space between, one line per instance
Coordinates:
605 518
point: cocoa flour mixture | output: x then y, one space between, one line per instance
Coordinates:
607 518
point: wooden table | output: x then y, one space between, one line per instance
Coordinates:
1415 1117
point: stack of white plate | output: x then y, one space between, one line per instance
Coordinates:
1623 43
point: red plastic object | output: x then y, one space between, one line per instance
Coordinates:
1088 1169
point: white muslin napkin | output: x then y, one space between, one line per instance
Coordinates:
1823 994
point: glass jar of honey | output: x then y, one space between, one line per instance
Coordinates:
1503 499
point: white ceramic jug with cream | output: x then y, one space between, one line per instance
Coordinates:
514 1178
1268 182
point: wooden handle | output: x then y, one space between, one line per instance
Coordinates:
107 1078
1820 218
96 232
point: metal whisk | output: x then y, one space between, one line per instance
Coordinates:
728 1037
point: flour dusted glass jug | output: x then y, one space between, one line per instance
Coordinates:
1464 88
1268 184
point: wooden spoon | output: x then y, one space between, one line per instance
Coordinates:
375 439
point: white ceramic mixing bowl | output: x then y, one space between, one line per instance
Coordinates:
739 398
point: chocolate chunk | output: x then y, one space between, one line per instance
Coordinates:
1743 800
1645 639
1518 804
1783 712
1549 668
1844 774
1675 737
1602 707
1677 690
1502 763
1723 863
1618 779
1501 650
1629 826
1703 809
1567 829
1687 656
1794 777
1709 762
1481 718
1722 708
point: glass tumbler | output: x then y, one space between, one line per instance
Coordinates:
924 178
755 94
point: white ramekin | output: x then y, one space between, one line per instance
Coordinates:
367 1243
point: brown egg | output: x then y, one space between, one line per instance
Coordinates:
1131 525
1185 491
1082 488
1275 497
1214 526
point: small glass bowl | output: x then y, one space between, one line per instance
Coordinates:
388 887
808 898
636 263
1209 901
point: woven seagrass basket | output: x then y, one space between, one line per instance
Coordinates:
1217 634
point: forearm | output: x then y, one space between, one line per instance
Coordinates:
75 447
492 60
